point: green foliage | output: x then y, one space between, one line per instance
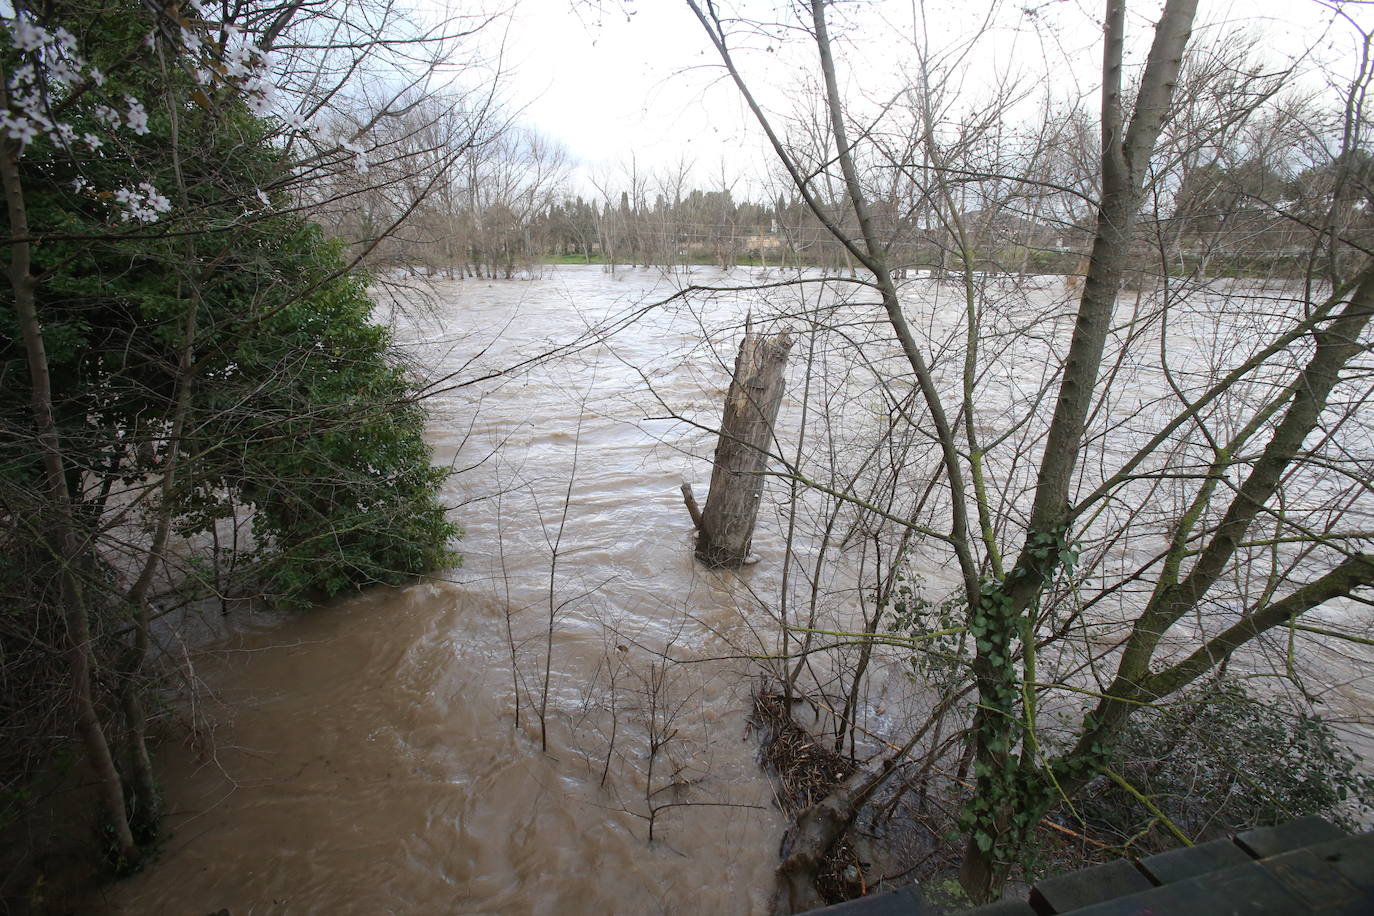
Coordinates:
331 453
942 658
574 259
1002 815
1013 790
299 407
944 895
1220 759
231 318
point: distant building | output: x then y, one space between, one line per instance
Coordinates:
762 243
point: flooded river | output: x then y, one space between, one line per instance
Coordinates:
366 756
441 747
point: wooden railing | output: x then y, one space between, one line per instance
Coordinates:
1304 866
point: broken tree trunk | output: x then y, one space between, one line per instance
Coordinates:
690 499
746 431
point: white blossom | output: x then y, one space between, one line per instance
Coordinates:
64 72
27 102
138 116
27 36
56 64
256 85
155 200
238 64
141 204
22 75
66 41
21 128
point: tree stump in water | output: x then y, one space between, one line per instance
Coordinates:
746 431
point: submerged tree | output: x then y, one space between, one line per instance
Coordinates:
181 350
1168 476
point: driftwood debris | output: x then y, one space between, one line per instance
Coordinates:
822 793
746 431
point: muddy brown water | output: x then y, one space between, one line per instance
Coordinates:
365 757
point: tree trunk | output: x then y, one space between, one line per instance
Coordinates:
66 542
998 834
746 431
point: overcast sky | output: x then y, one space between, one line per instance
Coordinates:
645 86
612 87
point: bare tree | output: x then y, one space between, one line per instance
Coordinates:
1165 517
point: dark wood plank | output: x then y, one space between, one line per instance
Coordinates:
1242 890
905 901
1353 858
1003 908
1336 877
1063 893
1263 842
1191 861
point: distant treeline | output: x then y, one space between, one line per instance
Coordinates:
500 208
